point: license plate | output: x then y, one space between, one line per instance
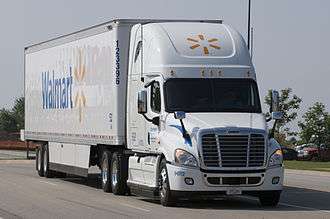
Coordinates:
234 191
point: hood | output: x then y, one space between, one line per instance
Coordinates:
221 120
196 121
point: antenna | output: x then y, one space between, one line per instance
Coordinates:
249 25
252 42
142 45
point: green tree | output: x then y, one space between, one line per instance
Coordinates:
315 125
327 138
18 113
7 121
13 120
289 104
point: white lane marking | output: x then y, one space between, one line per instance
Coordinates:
138 208
53 184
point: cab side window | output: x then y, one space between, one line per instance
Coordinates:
137 51
155 97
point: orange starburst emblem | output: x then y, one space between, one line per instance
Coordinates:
79 73
201 41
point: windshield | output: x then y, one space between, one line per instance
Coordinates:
211 95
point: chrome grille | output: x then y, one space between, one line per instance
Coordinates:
257 150
210 151
233 150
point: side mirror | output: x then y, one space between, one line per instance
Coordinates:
142 102
275 99
179 115
274 109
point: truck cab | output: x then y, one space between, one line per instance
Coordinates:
194 118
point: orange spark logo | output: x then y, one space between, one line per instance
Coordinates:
202 42
79 73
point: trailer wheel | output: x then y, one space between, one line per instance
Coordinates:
270 199
47 172
166 199
39 161
118 174
105 171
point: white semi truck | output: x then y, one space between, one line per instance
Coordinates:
165 108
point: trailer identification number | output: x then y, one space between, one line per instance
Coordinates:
117 63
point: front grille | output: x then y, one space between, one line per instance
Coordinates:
233 150
257 150
233 180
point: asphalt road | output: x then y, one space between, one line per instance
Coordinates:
23 194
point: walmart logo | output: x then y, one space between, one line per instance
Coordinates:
57 92
201 42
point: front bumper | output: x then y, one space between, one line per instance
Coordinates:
178 174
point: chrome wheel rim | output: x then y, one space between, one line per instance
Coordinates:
104 172
114 172
45 161
39 160
162 182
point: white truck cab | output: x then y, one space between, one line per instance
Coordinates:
183 102
199 108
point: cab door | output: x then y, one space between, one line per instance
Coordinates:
154 113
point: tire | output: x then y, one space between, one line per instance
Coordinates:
119 174
47 172
105 171
270 199
166 199
40 161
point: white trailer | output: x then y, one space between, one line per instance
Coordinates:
165 108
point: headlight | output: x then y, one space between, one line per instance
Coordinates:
305 153
276 159
185 158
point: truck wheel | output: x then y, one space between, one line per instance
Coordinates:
105 171
270 199
118 174
47 172
39 161
166 199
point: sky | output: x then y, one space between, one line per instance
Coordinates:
291 38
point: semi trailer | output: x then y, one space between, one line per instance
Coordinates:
169 109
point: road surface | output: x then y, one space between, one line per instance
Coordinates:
13 155
23 194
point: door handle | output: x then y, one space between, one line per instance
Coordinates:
148 138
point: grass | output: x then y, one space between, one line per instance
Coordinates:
307 165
